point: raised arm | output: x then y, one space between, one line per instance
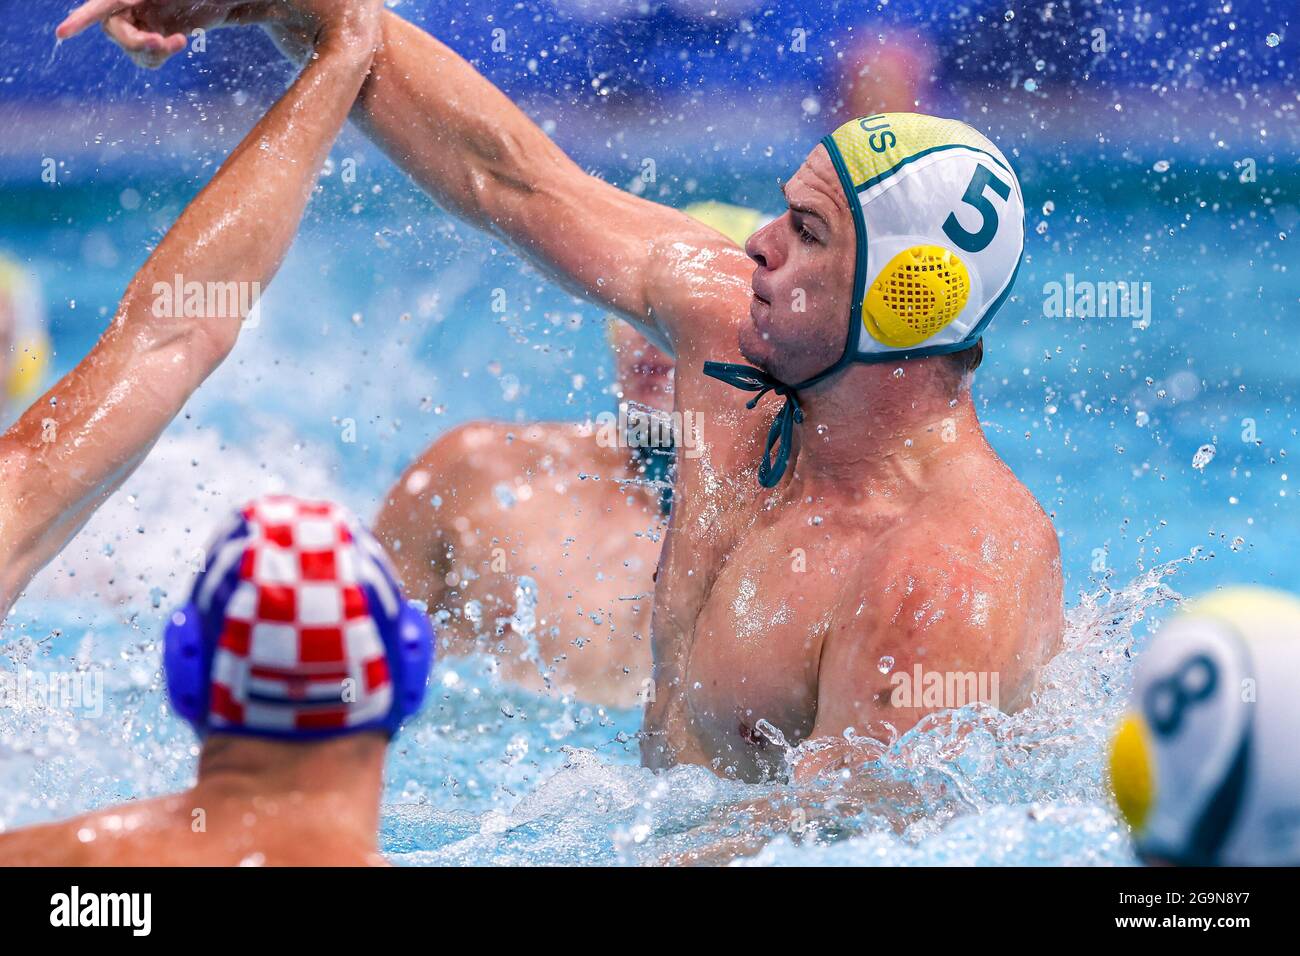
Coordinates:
77 443
481 157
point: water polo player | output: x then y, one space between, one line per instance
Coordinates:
552 541
1202 766
295 660
865 516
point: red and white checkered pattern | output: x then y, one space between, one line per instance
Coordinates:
299 650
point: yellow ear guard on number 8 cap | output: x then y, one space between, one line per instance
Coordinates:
30 355
940 227
1202 767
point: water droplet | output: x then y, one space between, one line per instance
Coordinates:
1161 166
504 494
1049 207
1204 455
886 664
1272 39
1030 85
1009 16
768 730
473 612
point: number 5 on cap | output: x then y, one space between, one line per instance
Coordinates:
974 196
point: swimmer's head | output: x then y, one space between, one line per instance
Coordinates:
910 227
1203 765
297 630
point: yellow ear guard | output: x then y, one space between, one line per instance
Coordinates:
1131 773
915 295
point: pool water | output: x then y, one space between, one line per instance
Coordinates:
382 323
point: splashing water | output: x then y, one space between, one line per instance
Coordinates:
494 774
524 620
1204 455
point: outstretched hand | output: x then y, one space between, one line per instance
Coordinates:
153 31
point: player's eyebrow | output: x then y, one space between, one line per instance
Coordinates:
802 210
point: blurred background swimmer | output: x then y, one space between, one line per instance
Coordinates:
296 660
1203 766
24 343
539 543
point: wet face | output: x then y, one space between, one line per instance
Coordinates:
803 282
645 374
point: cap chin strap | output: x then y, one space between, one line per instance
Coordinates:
781 434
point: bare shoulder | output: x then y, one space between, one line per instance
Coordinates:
977 570
52 844
461 466
131 834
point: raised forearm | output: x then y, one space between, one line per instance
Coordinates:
458 136
74 446
466 144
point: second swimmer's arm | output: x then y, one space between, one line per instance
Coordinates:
79 442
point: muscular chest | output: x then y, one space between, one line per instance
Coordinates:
738 634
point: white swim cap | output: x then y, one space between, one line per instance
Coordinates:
1204 766
940 226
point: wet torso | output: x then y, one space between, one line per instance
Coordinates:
752 582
